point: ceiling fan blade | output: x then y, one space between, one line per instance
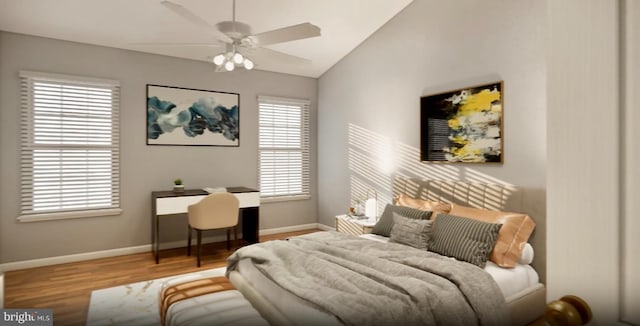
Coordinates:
261 54
210 45
286 34
196 20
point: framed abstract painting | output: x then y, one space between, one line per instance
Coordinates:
463 125
192 117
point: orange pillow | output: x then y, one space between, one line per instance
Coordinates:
422 204
514 233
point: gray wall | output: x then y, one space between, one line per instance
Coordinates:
369 103
143 168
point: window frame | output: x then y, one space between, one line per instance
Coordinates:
29 145
304 148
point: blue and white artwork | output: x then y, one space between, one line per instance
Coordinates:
182 116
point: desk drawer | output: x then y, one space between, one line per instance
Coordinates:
248 199
178 205
175 205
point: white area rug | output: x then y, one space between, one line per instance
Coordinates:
134 304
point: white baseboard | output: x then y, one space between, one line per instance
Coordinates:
326 227
72 258
139 249
290 228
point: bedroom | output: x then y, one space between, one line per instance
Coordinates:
374 91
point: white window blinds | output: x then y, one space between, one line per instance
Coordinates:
284 147
69 147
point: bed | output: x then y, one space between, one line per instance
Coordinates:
329 278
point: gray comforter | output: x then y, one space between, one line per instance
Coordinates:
364 282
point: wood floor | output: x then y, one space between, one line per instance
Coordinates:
66 288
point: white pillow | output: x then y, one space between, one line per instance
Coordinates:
526 257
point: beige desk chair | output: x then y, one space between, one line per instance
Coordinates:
216 211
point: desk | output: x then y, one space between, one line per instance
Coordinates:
169 202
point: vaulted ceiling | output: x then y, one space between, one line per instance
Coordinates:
127 23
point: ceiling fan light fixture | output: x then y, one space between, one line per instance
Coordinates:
238 58
229 60
229 66
248 64
218 60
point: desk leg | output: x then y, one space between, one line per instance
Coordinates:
156 240
155 231
250 224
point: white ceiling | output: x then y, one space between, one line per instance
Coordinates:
121 23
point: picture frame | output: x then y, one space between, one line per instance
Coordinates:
464 125
192 117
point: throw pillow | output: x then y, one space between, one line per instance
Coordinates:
411 232
464 238
514 234
384 225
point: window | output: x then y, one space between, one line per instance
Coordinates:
284 148
69 147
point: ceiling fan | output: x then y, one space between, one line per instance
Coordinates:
239 42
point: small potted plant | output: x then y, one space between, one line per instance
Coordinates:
177 185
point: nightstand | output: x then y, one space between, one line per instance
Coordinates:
347 224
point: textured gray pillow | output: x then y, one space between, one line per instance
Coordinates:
411 232
384 225
463 238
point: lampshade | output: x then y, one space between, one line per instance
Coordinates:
248 64
371 208
218 59
371 205
238 58
229 66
